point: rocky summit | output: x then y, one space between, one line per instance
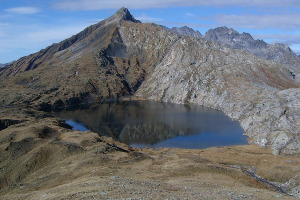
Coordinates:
251 81
278 52
185 31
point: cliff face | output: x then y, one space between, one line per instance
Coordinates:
279 53
121 56
261 95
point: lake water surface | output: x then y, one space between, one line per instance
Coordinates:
155 124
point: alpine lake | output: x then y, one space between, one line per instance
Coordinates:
157 125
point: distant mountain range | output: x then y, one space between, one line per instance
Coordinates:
253 82
279 53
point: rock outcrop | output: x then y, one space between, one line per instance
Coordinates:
120 56
185 31
279 53
259 94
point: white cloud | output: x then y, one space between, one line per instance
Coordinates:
293 40
54 34
191 25
93 21
32 38
2 28
137 4
280 21
283 38
296 48
23 10
3 24
145 18
190 15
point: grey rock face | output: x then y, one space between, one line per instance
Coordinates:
278 52
233 39
122 14
186 31
262 96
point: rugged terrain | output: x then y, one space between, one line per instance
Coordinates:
185 31
228 37
261 95
42 158
278 52
120 55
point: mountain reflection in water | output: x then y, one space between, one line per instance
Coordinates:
155 124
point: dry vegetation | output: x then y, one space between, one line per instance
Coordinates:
41 158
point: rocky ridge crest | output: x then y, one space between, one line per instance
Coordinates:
185 31
278 52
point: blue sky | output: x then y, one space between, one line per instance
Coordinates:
26 26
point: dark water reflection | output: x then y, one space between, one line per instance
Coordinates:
155 124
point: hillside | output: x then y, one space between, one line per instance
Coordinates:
278 52
228 37
97 64
121 56
42 158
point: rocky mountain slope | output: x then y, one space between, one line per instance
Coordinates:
121 56
262 96
96 64
185 31
279 53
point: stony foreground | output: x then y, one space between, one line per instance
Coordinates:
42 158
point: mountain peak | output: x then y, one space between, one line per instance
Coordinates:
186 31
123 14
229 37
222 31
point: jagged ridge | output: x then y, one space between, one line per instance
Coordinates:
278 52
186 31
